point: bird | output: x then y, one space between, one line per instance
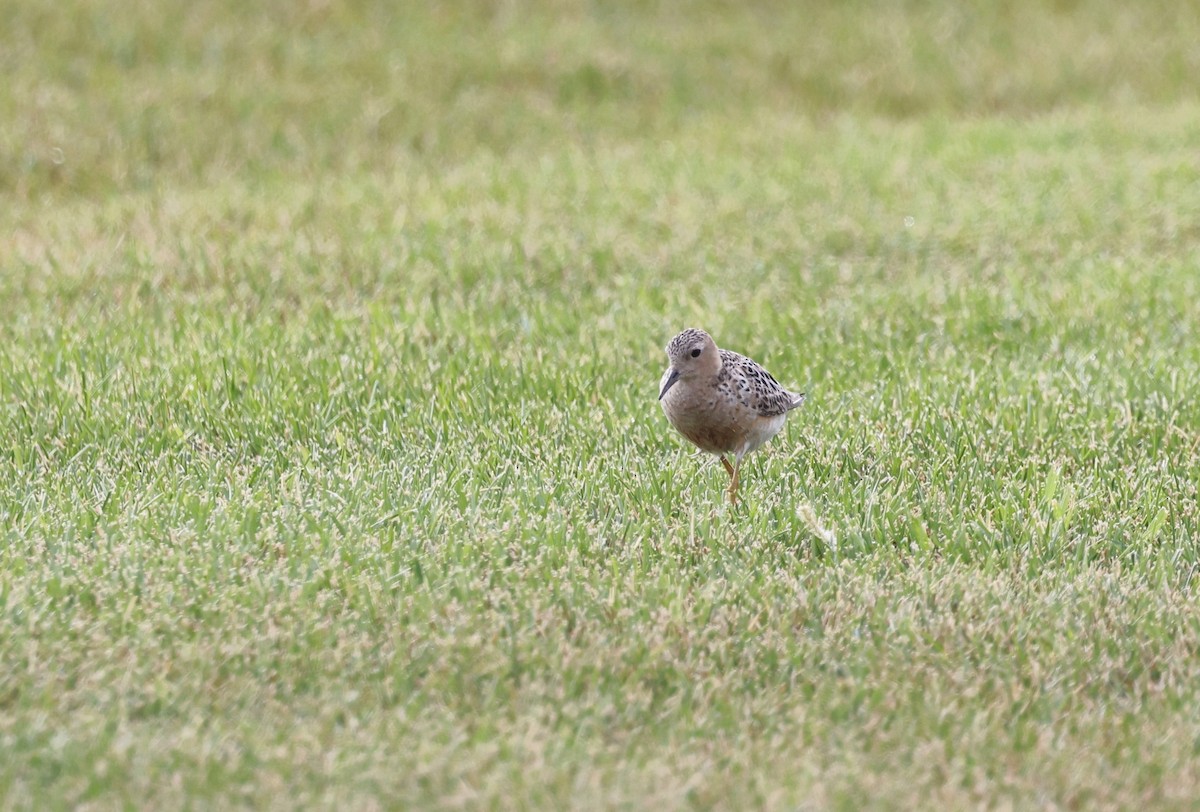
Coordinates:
723 402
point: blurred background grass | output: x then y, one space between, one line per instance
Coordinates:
104 96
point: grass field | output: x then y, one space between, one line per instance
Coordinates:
331 472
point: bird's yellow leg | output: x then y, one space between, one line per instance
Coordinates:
734 481
728 467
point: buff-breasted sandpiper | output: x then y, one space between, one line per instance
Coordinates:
723 402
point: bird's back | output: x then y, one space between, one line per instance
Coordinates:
754 387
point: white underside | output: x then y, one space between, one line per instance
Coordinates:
759 433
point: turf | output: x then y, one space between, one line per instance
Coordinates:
331 473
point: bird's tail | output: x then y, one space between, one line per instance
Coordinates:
797 400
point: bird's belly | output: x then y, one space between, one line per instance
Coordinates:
763 429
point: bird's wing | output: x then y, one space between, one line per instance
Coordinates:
755 387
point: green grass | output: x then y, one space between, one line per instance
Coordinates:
331 472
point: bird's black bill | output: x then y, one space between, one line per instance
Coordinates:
671 379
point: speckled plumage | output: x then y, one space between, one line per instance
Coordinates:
721 401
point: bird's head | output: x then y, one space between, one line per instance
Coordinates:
692 354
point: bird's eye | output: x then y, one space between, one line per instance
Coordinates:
696 353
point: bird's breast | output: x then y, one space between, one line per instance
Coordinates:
707 420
